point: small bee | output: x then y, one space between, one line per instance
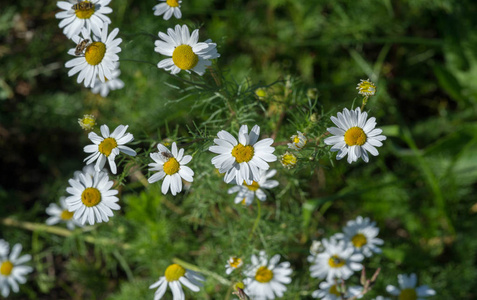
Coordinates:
81 46
83 5
165 155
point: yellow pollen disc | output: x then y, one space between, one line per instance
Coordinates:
367 88
174 272
83 13
408 294
296 140
107 145
359 240
66 215
239 285
263 275
334 290
94 53
171 166
289 159
242 153
355 136
6 268
173 3
253 187
336 262
236 262
184 58
91 197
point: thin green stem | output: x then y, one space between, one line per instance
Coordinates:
257 220
195 268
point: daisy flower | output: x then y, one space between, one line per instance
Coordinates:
78 15
172 167
242 160
168 8
246 192
186 53
329 291
87 122
61 214
174 277
108 146
109 84
4 248
298 141
336 261
99 57
354 135
362 234
407 288
266 279
288 160
366 88
92 198
12 270
233 263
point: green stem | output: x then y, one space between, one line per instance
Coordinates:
255 224
195 268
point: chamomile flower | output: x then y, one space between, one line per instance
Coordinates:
172 167
338 260
288 160
247 192
88 170
87 122
362 234
109 84
185 51
168 8
242 161
366 88
329 290
316 247
4 248
407 288
92 198
12 270
83 15
99 59
61 214
298 141
354 135
266 279
233 263
108 146
174 277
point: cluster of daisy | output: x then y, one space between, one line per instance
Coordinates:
12 269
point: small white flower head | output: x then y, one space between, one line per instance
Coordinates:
99 58
108 146
185 51
83 15
61 214
92 198
266 279
168 8
330 290
366 88
362 234
407 288
247 193
172 167
4 248
87 122
109 84
242 161
354 135
174 277
298 141
338 260
316 247
233 263
288 160
12 270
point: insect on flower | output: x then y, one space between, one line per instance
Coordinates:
81 47
83 5
165 155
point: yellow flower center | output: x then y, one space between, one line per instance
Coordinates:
261 93
84 9
87 122
174 272
253 187
6 268
289 160
94 53
367 88
171 166
408 294
107 145
334 290
184 58
173 3
91 197
336 262
355 136
296 140
263 275
359 240
236 262
242 153
67 215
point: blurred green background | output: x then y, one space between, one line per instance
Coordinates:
422 54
